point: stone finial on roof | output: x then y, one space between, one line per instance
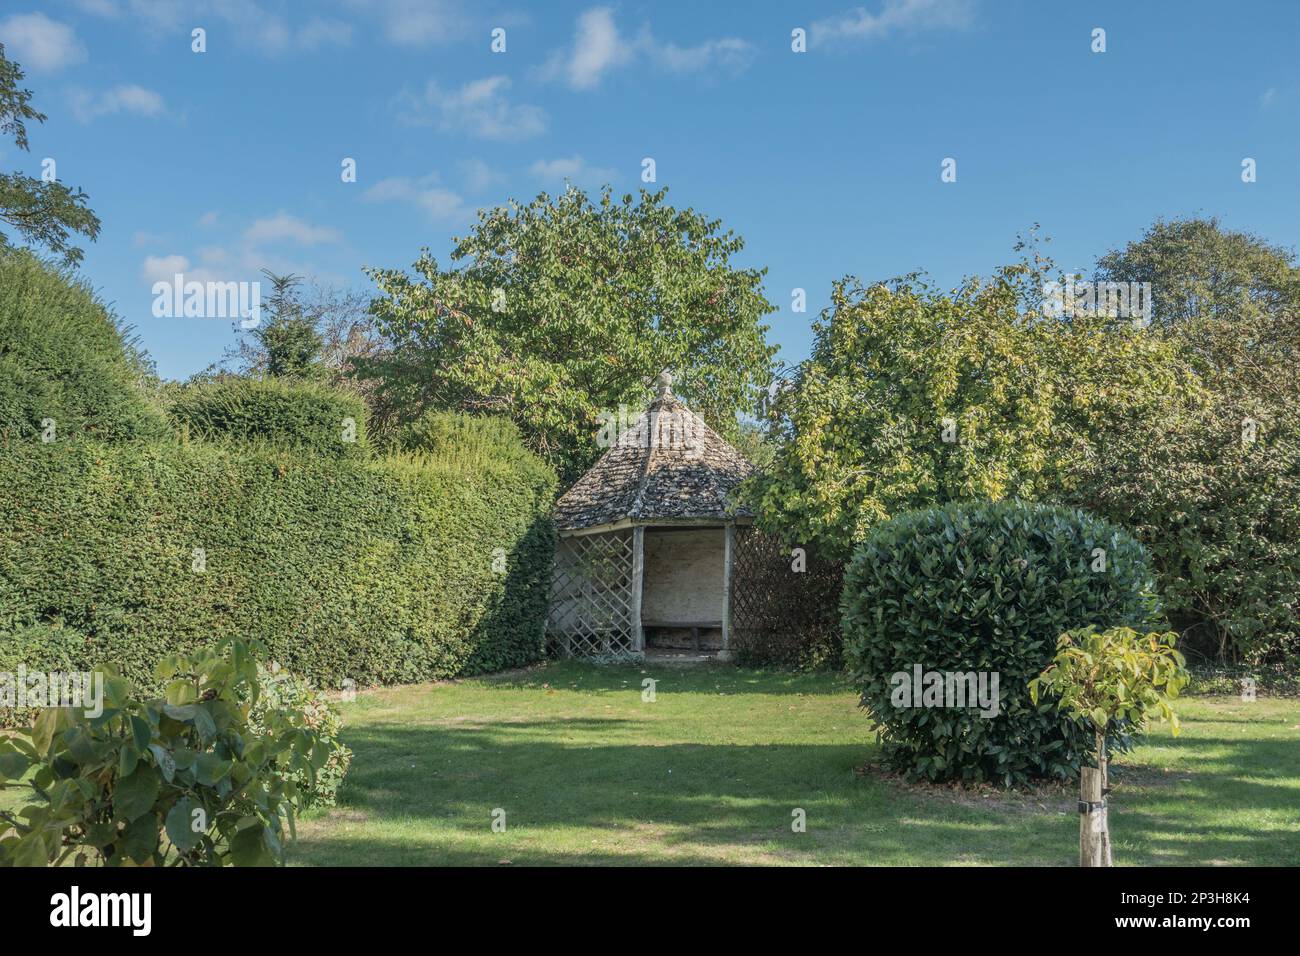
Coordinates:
665 381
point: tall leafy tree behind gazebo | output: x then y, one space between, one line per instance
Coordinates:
556 311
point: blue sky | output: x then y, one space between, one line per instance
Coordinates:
827 162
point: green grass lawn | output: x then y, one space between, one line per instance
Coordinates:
710 772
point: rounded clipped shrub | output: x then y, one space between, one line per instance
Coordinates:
473 438
65 367
949 612
286 413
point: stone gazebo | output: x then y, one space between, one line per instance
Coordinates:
647 539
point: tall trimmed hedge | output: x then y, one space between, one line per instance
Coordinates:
372 571
288 413
985 588
63 359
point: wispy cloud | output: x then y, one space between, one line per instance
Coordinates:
895 16
253 25
728 54
131 99
283 227
479 108
438 202
572 169
415 23
163 268
258 247
40 44
599 48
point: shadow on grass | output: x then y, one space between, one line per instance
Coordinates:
573 793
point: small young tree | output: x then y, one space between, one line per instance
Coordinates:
1114 681
288 337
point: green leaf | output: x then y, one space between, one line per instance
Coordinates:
135 795
209 769
166 763
248 848
179 825
127 759
13 765
139 839
141 733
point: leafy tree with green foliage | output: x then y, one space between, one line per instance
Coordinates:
1112 681
179 780
915 397
1215 487
565 307
44 213
1216 497
1199 270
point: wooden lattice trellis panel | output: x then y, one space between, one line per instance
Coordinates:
591 596
779 615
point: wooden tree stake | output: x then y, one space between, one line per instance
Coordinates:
1094 836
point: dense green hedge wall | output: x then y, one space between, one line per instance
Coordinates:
375 571
473 436
984 587
63 358
298 414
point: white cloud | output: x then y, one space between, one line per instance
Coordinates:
414 23
243 258
40 44
120 99
163 268
574 169
479 108
209 218
730 54
437 202
252 24
894 16
283 227
599 48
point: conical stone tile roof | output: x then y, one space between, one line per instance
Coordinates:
669 466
